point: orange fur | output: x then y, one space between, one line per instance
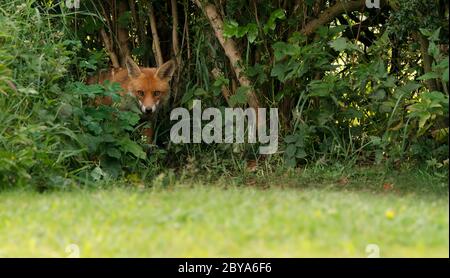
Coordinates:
149 85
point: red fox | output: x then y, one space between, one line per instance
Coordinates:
150 86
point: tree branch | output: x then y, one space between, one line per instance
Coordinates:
331 13
231 50
156 43
109 49
175 41
123 36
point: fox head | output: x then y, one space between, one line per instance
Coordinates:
149 85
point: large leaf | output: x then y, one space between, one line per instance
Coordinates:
428 75
341 44
271 23
282 49
126 145
240 97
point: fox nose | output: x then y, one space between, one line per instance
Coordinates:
148 110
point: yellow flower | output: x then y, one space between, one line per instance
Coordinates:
390 214
317 214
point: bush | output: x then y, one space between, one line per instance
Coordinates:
344 95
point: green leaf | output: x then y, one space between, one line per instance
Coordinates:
435 96
300 142
187 96
230 29
378 95
425 32
435 36
28 91
389 82
220 81
279 71
130 118
113 152
336 30
339 44
375 140
252 32
126 145
386 107
409 87
290 150
320 88
257 71
271 23
423 117
278 14
428 75
445 75
290 162
111 166
352 113
200 92
290 139
241 32
297 38
433 50
300 153
217 85
282 49
240 97
97 173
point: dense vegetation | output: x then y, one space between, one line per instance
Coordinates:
354 85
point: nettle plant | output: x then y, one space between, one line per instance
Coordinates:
108 132
429 107
343 113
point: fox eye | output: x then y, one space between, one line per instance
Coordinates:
140 93
156 93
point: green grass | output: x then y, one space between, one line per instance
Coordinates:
218 220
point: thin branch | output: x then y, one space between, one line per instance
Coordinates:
332 12
216 73
123 36
230 48
156 43
109 49
175 41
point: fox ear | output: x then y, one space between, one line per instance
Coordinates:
166 70
133 68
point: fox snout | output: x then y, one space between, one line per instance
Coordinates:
148 108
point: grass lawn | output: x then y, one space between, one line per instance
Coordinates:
195 220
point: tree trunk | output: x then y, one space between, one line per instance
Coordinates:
109 48
175 41
427 60
156 43
231 51
123 36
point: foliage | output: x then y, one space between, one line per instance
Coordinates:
354 91
51 134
